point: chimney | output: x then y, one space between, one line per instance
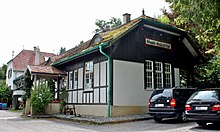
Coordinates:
126 18
37 55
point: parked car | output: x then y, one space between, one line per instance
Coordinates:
169 103
204 106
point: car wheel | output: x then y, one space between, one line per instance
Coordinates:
182 117
201 123
157 119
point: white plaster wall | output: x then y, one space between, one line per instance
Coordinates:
177 76
80 96
103 95
18 74
74 96
96 95
9 82
96 75
128 84
103 73
91 98
70 100
80 78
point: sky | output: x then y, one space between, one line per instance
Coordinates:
52 24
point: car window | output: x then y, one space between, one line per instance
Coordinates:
183 94
166 93
205 95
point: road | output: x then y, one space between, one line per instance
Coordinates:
12 122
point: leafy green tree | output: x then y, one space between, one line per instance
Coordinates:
3 70
115 22
63 97
107 25
163 19
5 93
40 97
81 42
28 83
62 50
201 19
51 86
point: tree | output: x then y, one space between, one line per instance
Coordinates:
115 22
62 50
107 25
3 70
63 97
5 93
40 97
28 83
51 86
201 19
81 42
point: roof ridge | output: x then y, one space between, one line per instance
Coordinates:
111 36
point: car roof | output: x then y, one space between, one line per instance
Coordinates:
176 88
204 89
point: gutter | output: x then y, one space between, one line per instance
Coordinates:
79 54
108 93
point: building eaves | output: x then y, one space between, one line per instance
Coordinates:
67 59
40 69
110 37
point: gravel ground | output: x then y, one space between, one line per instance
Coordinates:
103 120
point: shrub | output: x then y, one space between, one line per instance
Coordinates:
62 98
40 97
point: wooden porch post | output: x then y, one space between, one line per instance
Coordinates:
35 81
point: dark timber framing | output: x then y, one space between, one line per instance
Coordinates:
88 97
131 46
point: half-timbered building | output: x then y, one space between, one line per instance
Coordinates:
115 72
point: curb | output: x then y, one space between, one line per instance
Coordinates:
92 122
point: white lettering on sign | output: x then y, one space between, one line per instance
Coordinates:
157 43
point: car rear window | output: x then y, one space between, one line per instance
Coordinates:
166 93
183 94
205 95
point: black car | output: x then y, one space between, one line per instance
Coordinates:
204 106
169 103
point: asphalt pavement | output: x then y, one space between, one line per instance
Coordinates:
14 122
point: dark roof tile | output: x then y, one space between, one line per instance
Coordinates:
45 70
27 57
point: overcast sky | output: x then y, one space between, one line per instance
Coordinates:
52 24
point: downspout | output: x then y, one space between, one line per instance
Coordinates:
108 93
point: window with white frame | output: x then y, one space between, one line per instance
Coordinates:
168 75
158 74
75 79
88 78
9 73
149 74
71 80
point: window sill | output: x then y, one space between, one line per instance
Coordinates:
149 89
88 90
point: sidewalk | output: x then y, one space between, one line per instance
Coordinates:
99 120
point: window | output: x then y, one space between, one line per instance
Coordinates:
149 74
75 79
159 74
88 78
71 80
9 73
167 78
